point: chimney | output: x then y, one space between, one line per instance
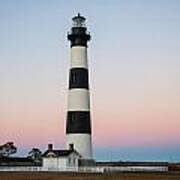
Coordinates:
71 147
50 147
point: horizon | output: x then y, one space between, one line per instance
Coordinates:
134 76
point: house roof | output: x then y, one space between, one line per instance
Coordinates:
58 153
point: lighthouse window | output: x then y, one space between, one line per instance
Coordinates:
74 78
73 117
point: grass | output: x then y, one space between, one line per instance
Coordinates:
87 176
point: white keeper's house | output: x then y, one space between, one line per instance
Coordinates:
64 160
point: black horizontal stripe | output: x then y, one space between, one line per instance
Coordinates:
78 122
78 78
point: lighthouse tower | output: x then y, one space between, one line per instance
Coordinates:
78 124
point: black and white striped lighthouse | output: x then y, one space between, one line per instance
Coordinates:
78 124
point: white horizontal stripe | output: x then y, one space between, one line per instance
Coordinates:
79 57
82 144
78 100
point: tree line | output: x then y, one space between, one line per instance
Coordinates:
8 149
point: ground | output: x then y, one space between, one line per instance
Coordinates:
86 176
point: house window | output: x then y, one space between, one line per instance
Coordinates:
69 160
74 161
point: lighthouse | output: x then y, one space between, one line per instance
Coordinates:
78 122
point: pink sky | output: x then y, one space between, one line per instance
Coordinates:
134 62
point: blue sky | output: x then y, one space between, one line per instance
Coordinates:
134 72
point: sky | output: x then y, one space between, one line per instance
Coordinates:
134 64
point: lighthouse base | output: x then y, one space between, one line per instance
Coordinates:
81 143
87 163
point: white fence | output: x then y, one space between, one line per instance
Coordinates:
20 168
89 169
136 169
